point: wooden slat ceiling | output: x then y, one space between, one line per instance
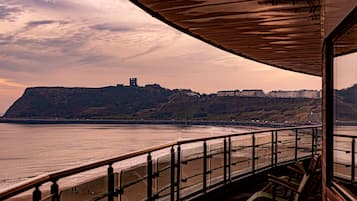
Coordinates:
281 33
347 43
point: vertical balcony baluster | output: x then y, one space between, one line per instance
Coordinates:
225 161
253 153
313 142
121 189
36 195
316 140
149 177
353 160
54 191
296 144
229 158
276 148
272 149
110 174
204 166
172 175
178 173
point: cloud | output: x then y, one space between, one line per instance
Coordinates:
93 58
112 28
6 39
8 83
59 5
40 22
156 46
9 12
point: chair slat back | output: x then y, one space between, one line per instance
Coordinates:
313 166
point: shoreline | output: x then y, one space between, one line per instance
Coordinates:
149 122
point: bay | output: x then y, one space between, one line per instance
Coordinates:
27 150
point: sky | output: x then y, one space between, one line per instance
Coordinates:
345 71
95 43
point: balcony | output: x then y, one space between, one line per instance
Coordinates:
183 170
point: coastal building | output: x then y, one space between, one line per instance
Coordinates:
228 93
309 94
252 93
133 82
295 94
274 94
245 92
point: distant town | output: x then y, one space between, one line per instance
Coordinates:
274 94
316 94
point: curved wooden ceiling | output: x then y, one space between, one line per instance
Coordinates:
281 33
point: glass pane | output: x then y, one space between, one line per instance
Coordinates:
216 162
191 168
286 145
94 188
345 105
342 157
133 182
163 168
263 150
241 155
304 142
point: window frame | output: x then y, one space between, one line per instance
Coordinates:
343 27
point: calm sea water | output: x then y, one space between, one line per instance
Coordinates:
27 151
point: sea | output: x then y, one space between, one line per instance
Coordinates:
30 150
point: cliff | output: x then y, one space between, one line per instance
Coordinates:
60 102
156 103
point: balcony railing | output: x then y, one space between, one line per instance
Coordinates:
345 169
178 170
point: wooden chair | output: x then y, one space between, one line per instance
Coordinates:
293 185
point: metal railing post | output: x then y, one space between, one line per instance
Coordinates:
156 178
276 148
204 166
312 141
172 175
225 161
272 149
229 158
353 160
110 173
121 190
316 140
296 144
36 195
178 173
149 177
54 191
253 153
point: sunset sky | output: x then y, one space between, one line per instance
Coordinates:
94 43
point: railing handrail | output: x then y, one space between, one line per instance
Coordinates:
54 176
344 135
186 141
